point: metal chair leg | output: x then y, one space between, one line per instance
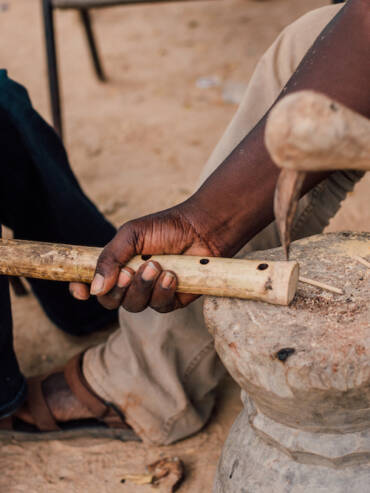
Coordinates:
86 21
52 66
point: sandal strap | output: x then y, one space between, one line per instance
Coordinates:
40 411
38 407
100 409
79 386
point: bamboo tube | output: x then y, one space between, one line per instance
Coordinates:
273 282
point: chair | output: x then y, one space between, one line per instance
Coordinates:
83 7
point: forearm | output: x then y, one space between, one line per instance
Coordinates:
236 201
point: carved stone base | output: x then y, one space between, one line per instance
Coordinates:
306 371
263 456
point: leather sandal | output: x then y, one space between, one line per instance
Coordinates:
108 421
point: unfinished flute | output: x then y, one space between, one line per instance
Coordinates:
273 282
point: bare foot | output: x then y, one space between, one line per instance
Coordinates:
61 401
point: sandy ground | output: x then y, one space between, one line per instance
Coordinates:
137 145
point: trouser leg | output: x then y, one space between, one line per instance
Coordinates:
160 370
40 199
12 384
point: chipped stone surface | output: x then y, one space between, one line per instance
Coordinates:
313 355
305 368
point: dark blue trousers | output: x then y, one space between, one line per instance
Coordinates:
40 199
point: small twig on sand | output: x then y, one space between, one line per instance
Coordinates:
321 285
362 261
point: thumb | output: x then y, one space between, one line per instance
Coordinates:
111 260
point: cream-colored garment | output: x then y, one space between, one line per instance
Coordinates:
161 370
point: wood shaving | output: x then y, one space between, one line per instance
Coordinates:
166 474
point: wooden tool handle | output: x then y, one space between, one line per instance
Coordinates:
307 131
274 282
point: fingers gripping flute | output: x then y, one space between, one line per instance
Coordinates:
273 282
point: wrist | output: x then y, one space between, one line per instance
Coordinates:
211 222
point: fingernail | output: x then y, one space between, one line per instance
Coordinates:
76 294
124 278
167 280
150 272
97 284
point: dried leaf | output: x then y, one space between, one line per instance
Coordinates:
168 473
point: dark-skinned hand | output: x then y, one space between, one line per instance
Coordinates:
167 232
236 201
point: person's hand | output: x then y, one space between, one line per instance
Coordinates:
168 232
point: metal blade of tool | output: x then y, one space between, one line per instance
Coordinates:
307 131
287 193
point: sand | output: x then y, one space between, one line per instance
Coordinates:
137 144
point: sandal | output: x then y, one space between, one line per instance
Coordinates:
108 422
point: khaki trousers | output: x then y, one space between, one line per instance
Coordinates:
161 370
